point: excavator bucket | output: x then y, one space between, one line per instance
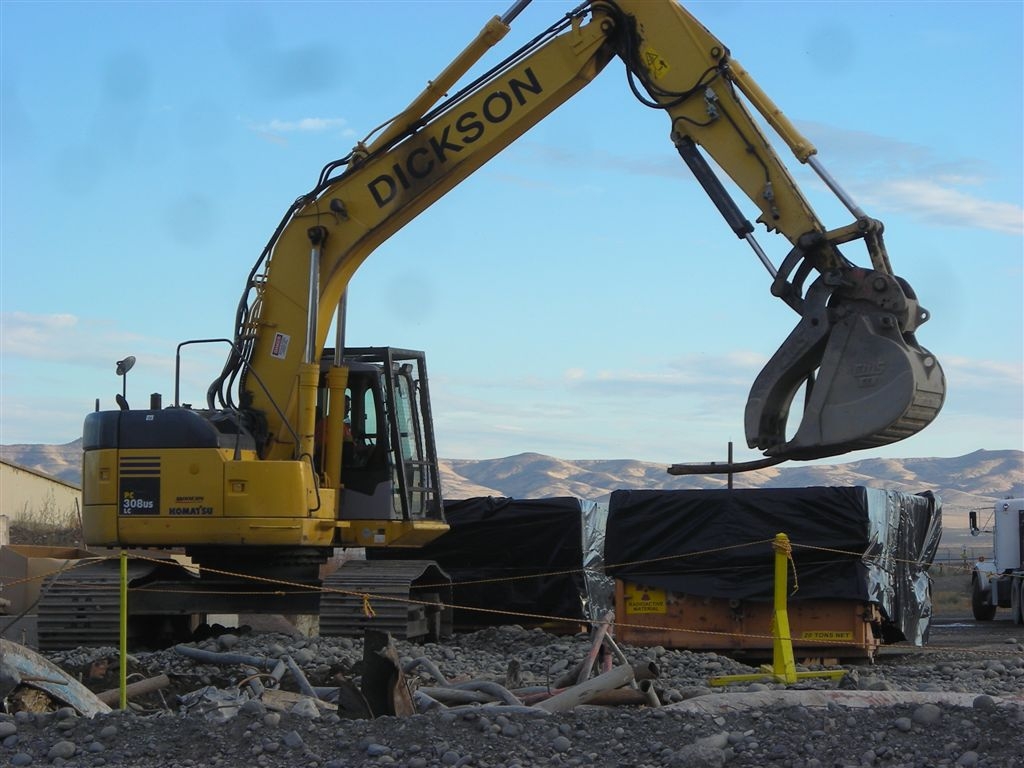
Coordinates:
869 383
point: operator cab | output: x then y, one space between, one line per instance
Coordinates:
388 458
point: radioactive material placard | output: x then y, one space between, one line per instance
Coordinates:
640 599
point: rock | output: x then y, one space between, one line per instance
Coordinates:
703 755
306 707
927 714
293 740
62 749
252 708
985 703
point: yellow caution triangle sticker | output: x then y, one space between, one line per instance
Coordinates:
656 65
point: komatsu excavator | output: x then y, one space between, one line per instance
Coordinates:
276 472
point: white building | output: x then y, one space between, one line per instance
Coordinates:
26 494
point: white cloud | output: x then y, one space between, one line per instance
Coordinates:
26 335
889 173
61 338
65 350
66 358
915 179
303 125
994 375
275 130
274 139
936 202
716 375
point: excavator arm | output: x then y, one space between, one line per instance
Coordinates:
868 381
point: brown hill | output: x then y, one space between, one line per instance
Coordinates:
61 461
983 475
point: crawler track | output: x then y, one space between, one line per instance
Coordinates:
80 607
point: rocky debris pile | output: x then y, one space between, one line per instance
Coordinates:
957 710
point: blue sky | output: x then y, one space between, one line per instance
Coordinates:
578 296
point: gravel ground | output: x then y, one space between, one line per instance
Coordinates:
984 728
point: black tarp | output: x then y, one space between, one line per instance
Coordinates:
851 543
518 559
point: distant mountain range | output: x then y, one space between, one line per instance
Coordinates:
973 481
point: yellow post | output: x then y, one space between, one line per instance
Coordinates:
783 668
123 676
783 662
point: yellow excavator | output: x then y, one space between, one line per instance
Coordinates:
304 447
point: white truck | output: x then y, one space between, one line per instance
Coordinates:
999 582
